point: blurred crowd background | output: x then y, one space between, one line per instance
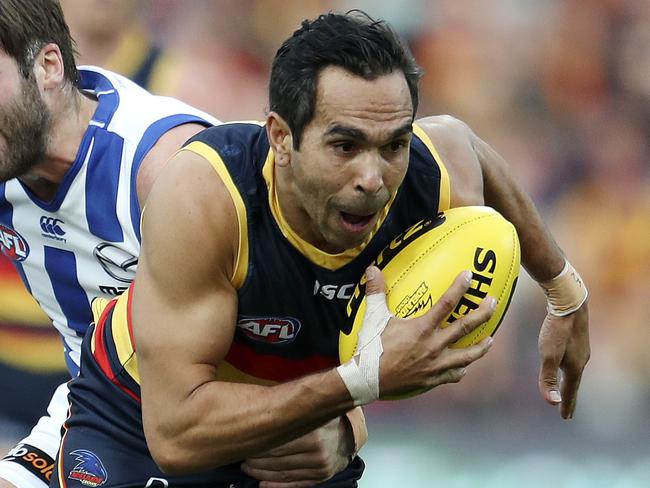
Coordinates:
561 88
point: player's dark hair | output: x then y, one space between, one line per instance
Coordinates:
28 25
353 41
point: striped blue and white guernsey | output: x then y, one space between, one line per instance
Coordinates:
85 242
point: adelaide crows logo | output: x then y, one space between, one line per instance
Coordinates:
89 470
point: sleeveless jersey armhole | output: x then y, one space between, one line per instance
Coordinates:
241 260
445 181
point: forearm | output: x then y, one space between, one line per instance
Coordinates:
541 256
220 423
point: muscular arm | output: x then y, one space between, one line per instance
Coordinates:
184 311
480 175
333 451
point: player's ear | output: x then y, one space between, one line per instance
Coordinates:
48 67
280 138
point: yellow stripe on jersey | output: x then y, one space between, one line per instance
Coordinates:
315 255
226 372
445 183
97 306
121 337
241 262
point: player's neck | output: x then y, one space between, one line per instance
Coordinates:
69 123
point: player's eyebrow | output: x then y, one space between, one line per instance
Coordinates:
358 134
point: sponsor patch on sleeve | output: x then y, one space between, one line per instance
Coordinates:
33 460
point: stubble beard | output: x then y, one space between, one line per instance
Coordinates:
24 128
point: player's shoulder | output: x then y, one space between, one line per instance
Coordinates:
232 140
101 81
127 109
444 129
230 132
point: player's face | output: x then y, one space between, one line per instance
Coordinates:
353 155
24 121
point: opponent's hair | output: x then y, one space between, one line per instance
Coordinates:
353 41
28 25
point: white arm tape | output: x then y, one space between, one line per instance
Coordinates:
565 293
361 373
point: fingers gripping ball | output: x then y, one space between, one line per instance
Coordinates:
420 264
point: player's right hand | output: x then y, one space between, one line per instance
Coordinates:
417 356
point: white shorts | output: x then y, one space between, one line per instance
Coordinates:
31 463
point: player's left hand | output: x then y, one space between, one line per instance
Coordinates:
563 346
305 461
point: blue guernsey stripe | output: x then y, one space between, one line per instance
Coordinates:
61 267
6 210
101 187
6 218
109 99
150 137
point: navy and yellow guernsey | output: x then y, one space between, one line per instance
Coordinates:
292 296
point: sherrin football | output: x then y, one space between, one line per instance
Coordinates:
420 264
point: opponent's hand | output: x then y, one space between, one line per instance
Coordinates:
563 346
305 461
416 355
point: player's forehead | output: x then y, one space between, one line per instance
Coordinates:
378 106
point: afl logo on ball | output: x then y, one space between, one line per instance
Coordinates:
117 263
273 330
12 244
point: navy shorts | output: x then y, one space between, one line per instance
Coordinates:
103 443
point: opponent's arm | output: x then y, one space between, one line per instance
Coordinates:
170 142
184 311
479 174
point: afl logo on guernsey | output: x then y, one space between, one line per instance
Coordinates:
12 244
272 330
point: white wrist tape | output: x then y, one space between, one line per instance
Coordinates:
565 293
361 373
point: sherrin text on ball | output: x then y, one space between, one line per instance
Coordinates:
422 262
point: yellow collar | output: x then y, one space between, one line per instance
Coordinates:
315 255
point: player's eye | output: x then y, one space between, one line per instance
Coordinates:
345 146
396 146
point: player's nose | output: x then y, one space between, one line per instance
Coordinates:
368 174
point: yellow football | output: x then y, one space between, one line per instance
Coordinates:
420 264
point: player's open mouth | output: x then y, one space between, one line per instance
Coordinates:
356 223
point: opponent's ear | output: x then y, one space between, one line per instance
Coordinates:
280 138
48 67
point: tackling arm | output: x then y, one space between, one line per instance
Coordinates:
480 175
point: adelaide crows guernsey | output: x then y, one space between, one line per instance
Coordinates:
85 242
292 297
